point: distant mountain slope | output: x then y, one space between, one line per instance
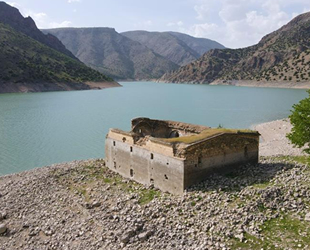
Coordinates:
11 16
113 54
176 47
29 65
281 56
200 45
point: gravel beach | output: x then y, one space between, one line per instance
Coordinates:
83 205
273 139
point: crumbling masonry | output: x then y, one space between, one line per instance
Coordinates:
173 155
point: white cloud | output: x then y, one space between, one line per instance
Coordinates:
60 25
206 9
148 23
240 23
233 12
13 4
202 10
40 18
74 1
179 23
143 25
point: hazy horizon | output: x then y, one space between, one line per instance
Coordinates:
234 24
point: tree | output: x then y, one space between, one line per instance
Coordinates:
300 119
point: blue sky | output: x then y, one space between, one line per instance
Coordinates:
234 23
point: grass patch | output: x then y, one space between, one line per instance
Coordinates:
284 232
81 190
107 180
251 242
147 195
262 185
292 159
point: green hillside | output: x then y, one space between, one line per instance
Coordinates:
24 60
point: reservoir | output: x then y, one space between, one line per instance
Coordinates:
39 129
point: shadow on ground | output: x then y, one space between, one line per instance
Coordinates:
246 175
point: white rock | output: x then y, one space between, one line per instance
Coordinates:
240 237
143 236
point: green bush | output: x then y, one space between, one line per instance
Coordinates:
300 119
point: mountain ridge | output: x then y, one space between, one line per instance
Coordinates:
121 56
27 64
112 53
174 46
283 55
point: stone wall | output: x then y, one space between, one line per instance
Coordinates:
145 166
220 154
173 167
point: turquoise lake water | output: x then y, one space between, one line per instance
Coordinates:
39 129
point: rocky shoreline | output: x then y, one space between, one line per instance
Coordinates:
83 205
10 87
265 84
248 83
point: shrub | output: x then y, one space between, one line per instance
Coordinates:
300 119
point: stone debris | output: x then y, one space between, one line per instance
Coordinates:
307 217
3 228
143 236
84 205
2 216
240 236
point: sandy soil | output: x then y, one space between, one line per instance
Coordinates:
273 139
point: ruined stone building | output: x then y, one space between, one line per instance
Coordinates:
174 155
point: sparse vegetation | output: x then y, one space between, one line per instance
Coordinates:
295 232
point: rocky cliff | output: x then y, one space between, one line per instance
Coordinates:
281 56
176 47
